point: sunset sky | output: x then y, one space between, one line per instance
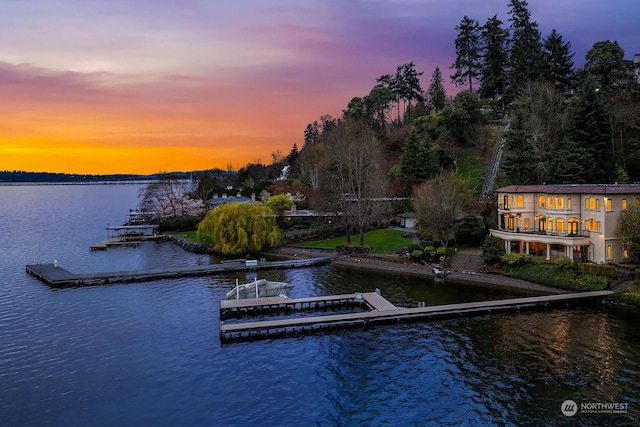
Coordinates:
143 86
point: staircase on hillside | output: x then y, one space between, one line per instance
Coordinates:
490 180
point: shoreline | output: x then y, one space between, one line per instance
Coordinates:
393 264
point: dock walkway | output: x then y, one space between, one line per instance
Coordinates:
56 276
377 311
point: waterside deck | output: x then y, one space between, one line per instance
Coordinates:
377 310
55 276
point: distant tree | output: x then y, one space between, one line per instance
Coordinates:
420 158
467 63
377 106
405 86
238 228
280 203
526 60
354 176
170 196
356 109
628 231
311 133
495 52
592 131
559 61
437 94
441 204
604 61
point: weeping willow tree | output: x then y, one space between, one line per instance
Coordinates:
237 228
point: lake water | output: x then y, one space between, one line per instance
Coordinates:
149 353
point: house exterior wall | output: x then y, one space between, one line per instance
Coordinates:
576 221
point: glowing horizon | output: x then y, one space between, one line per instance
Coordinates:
137 86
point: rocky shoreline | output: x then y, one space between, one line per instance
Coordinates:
394 263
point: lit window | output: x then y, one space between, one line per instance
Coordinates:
590 225
609 256
609 204
624 205
572 226
541 201
510 222
569 203
526 223
549 224
549 202
625 253
559 203
520 201
597 225
560 225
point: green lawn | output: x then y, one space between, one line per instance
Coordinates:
382 241
191 235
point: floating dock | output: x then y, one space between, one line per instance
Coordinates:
56 276
375 310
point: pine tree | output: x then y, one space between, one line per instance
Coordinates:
518 162
559 62
467 63
592 131
604 61
495 59
419 159
526 60
568 165
436 92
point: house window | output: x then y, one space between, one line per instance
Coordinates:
625 253
541 201
590 224
549 202
572 226
526 223
550 224
608 203
559 203
569 203
591 203
597 225
624 205
520 201
560 225
510 222
506 201
609 255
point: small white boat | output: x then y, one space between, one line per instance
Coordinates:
260 288
439 273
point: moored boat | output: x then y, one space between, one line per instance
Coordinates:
260 288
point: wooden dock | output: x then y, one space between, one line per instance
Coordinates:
55 276
119 241
376 310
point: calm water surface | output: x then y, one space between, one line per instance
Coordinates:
149 353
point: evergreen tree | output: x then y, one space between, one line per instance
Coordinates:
592 131
467 63
419 159
559 62
604 61
495 59
526 60
518 161
568 165
437 93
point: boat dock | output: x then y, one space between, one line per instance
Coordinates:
127 235
375 310
56 276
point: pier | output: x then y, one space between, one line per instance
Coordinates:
375 310
127 235
56 276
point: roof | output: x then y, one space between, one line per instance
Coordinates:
217 201
605 189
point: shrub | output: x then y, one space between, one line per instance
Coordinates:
492 249
417 254
516 259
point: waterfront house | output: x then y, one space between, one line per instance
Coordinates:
577 221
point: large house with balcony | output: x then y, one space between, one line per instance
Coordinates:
577 221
